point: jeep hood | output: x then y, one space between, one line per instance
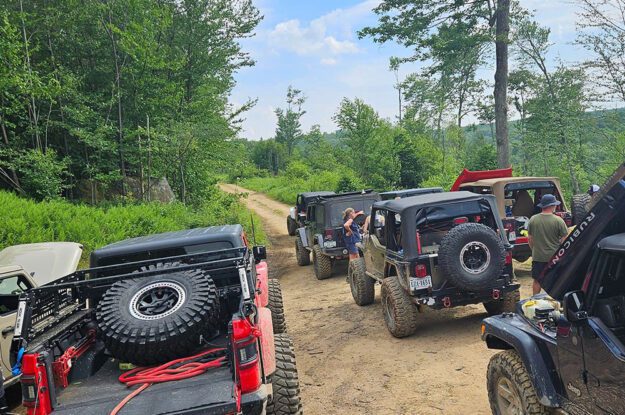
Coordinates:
46 262
568 267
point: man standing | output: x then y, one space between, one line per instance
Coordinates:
546 232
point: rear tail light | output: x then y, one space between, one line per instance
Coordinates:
420 271
247 361
508 258
461 220
329 234
35 388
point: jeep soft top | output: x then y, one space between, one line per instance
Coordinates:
203 291
569 344
392 194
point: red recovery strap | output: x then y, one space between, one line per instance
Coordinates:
471 176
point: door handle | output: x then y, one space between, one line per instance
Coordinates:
8 330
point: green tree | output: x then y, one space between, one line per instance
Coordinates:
289 129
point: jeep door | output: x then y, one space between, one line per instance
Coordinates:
11 286
311 225
375 252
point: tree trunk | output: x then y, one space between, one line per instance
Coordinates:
33 105
502 31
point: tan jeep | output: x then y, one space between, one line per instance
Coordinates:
23 267
517 200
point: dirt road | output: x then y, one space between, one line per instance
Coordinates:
348 363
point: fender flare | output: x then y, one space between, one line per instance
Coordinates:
502 335
302 235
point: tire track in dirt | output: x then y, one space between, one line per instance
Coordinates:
348 363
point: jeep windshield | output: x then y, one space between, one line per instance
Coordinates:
336 209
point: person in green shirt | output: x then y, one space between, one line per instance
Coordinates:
546 231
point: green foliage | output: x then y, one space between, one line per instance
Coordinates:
289 131
26 221
43 174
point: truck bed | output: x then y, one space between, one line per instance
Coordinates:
210 393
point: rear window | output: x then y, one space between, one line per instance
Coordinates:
337 208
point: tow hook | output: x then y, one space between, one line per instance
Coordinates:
496 294
447 302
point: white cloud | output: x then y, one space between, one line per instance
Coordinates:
328 61
329 35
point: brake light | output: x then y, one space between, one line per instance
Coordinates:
461 220
420 271
329 234
508 258
35 389
247 361
418 243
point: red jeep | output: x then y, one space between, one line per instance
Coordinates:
193 310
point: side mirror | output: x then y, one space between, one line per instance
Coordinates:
574 305
259 252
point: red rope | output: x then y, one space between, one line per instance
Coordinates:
184 368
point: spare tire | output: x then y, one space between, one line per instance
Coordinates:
152 320
579 207
472 256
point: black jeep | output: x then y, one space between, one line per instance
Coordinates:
323 231
438 250
567 352
297 214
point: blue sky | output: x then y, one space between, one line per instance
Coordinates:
313 46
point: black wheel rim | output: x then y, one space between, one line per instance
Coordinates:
475 257
157 300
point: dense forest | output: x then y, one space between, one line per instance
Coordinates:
559 127
101 98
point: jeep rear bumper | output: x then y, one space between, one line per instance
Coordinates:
452 296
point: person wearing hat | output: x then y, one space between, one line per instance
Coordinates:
351 232
546 231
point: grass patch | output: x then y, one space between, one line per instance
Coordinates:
26 221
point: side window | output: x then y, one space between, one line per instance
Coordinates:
379 224
10 289
319 214
310 214
393 232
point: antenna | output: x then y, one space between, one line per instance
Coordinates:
253 230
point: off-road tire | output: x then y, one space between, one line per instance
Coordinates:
291 226
400 314
276 306
451 261
286 394
322 264
141 338
361 285
579 207
302 254
506 304
508 365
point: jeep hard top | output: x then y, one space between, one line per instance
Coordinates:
194 301
393 194
323 231
566 350
517 200
437 250
297 214
23 267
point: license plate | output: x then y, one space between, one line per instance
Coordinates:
329 244
420 283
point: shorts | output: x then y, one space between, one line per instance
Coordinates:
537 268
351 247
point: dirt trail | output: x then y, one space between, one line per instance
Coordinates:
348 363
